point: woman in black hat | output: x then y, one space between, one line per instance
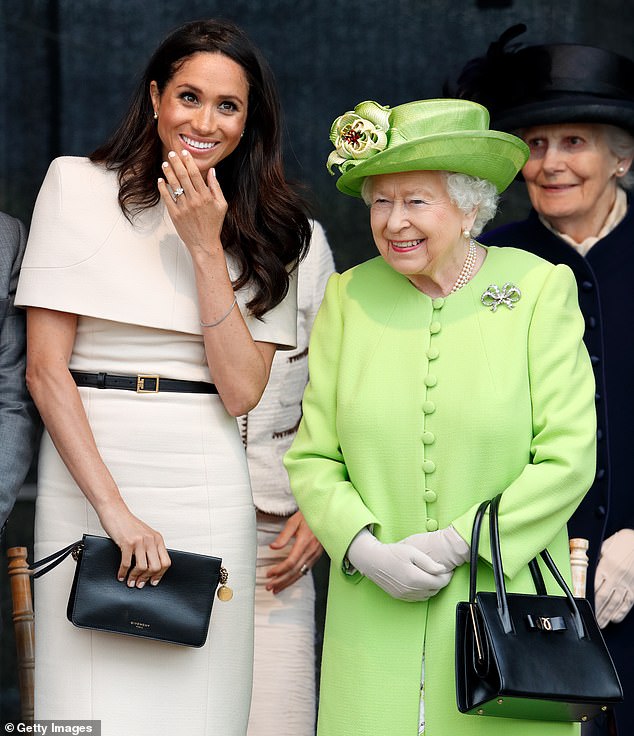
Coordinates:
574 107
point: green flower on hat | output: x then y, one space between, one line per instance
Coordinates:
358 134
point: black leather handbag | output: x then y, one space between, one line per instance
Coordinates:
177 610
537 657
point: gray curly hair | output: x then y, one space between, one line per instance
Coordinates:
466 192
621 143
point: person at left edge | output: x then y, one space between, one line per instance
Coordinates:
18 417
169 254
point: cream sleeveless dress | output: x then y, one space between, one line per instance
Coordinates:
177 458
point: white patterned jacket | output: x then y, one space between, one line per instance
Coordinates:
268 429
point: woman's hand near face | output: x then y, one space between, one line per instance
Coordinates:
51 336
199 212
239 366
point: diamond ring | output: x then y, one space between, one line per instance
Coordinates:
304 569
178 192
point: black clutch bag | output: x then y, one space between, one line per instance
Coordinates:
177 610
535 657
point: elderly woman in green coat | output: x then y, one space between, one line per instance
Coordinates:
441 374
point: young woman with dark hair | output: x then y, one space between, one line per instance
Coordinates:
164 264
252 179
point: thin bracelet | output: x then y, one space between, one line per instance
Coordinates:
224 316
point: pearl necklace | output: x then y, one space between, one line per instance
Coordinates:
467 268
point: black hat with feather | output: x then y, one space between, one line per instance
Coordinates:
524 86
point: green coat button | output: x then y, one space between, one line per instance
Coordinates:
430 380
434 328
429 407
432 525
428 438
430 496
429 466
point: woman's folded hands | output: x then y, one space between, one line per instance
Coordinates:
400 569
445 546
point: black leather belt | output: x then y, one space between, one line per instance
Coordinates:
143 383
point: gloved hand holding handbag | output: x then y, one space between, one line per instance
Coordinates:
445 546
399 569
614 579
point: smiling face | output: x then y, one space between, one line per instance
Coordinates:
203 108
417 228
571 176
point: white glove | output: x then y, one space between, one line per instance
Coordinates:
399 569
614 579
445 546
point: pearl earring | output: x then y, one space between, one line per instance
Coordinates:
155 115
466 234
620 170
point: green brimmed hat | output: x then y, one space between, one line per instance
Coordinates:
427 135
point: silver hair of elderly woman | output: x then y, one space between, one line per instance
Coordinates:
466 192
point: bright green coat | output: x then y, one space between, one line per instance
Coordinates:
416 411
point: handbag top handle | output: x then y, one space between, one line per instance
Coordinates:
498 571
475 543
536 573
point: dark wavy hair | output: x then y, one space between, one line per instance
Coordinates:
266 228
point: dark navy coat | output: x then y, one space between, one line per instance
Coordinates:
605 277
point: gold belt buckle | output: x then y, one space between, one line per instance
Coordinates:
140 384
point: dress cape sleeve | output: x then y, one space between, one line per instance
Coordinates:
84 257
